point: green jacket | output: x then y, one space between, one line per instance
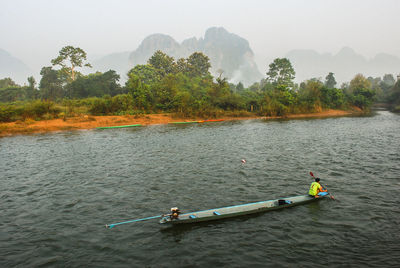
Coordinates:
314 188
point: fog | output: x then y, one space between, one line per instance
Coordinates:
34 31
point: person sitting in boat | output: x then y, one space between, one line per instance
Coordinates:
175 213
316 188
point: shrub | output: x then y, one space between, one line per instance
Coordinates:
117 105
98 107
7 113
38 109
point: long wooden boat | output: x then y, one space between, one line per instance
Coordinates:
211 120
201 121
185 122
136 125
238 210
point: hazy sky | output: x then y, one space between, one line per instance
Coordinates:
35 30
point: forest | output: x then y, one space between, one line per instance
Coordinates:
184 87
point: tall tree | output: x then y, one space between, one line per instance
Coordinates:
310 94
69 59
239 87
162 62
387 83
198 64
31 91
362 94
388 79
146 73
140 92
359 82
50 84
281 73
330 81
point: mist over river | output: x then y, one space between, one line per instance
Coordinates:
58 190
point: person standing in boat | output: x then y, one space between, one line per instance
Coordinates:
316 188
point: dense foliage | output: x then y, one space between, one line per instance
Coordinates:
394 97
184 86
23 110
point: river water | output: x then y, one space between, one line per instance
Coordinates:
58 190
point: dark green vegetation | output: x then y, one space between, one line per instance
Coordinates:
183 86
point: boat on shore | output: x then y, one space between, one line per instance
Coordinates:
135 125
201 121
211 120
239 210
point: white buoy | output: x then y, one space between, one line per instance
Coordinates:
243 161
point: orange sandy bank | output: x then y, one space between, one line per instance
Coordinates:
89 122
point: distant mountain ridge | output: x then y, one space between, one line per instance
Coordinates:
345 64
13 68
227 51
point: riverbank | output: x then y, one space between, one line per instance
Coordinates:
89 122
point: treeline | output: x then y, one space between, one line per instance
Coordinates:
183 86
387 91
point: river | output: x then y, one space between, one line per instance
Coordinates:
58 190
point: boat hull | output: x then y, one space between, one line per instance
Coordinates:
136 125
239 210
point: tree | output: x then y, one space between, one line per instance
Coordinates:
330 81
394 97
251 99
163 63
388 79
375 82
31 82
310 94
182 66
141 80
281 73
31 92
219 92
387 83
7 82
255 87
146 73
50 84
358 83
139 91
332 97
198 64
166 92
361 93
95 85
376 86
12 93
69 59
239 87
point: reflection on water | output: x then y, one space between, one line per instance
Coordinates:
59 190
